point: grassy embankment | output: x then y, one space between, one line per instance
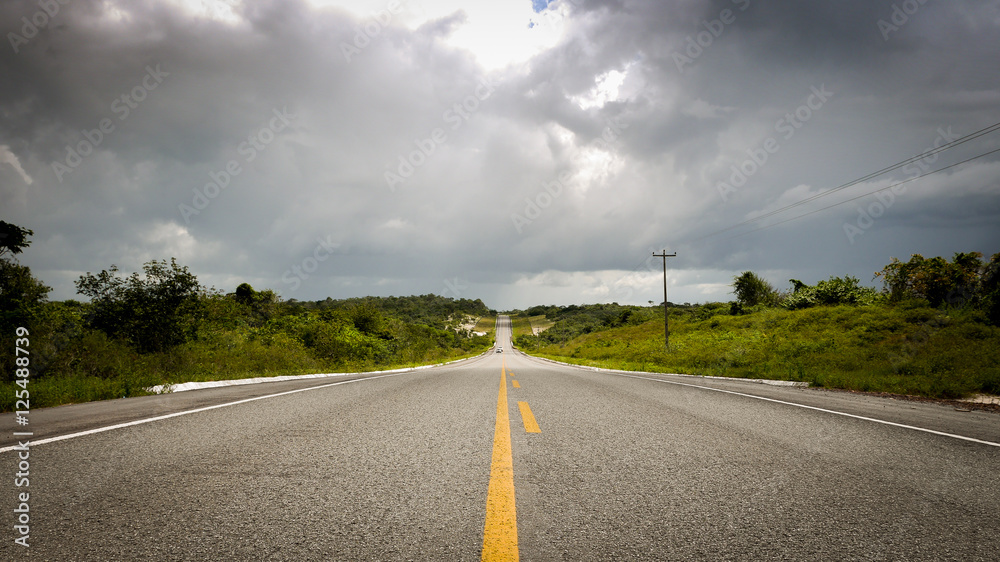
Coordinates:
905 349
519 326
128 373
540 322
74 364
487 324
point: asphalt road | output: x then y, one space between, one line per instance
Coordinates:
413 466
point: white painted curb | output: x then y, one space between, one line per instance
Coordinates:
181 387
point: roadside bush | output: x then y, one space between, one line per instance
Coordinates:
710 309
152 313
935 279
752 290
989 288
22 296
833 291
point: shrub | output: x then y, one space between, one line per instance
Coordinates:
22 296
752 290
936 279
989 289
833 291
152 313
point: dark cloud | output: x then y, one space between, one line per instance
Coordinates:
551 178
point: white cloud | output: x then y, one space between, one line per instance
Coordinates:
9 158
605 90
498 34
703 110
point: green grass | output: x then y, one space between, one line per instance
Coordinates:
905 349
487 324
540 322
520 326
911 350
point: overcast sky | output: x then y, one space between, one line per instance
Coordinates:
513 151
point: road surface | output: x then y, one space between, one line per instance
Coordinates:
505 455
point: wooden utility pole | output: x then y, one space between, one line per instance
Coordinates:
666 312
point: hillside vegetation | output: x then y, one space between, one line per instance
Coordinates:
76 359
930 332
161 327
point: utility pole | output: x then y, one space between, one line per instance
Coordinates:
666 312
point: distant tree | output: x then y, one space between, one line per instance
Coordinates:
13 238
936 279
752 290
20 293
245 294
368 319
967 268
152 312
836 290
989 290
258 306
22 296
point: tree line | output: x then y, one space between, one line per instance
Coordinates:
967 282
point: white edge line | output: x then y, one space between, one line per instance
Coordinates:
186 386
875 420
925 430
186 412
769 382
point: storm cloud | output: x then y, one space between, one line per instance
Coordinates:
524 154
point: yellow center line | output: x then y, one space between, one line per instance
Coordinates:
500 529
530 425
517 384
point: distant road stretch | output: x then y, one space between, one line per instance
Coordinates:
500 457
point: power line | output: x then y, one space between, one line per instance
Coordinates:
867 194
921 156
911 160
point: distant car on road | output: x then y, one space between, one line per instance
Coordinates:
499 350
